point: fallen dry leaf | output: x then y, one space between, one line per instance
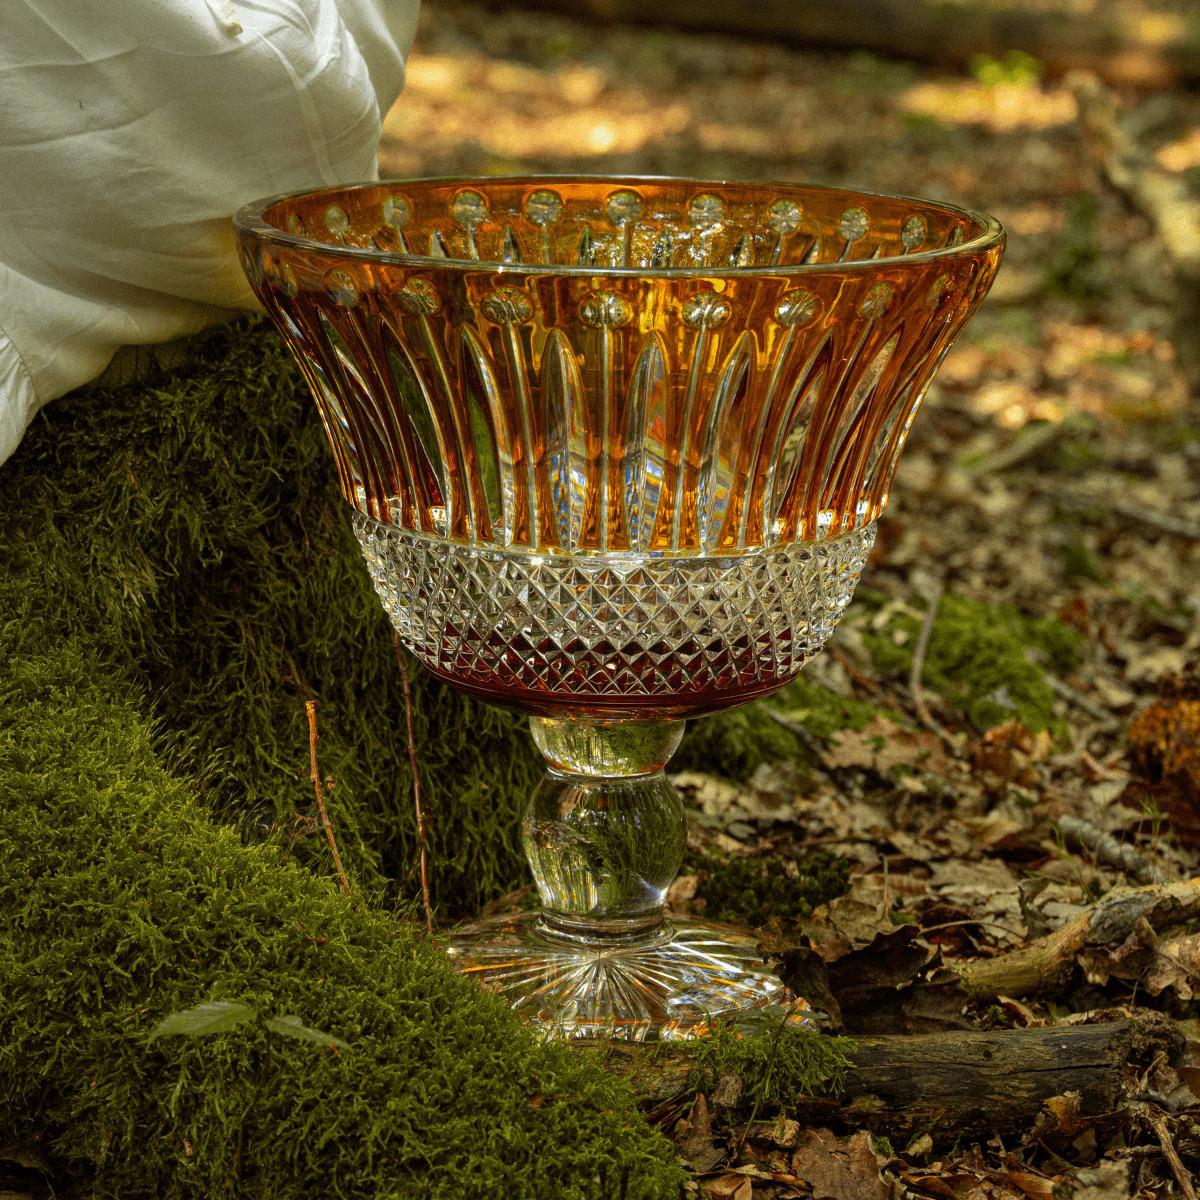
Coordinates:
883 745
838 1170
727 1187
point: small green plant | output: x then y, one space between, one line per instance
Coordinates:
224 1016
734 744
1015 69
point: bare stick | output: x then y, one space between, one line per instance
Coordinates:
1158 1123
918 666
1071 696
416 782
316 779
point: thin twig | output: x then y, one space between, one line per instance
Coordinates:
1158 1122
806 735
918 666
416 783
968 921
1029 443
1078 699
770 1066
316 779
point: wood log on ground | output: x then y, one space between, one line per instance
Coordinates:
1145 52
1164 197
960 1083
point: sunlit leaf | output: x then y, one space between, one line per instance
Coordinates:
293 1027
213 1016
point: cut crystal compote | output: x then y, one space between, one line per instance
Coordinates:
615 449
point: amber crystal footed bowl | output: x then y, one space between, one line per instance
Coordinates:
615 449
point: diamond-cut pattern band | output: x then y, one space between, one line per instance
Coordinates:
619 626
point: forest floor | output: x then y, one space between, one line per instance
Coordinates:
1054 469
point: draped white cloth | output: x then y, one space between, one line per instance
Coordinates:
131 130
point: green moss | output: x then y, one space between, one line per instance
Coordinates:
823 712
753 890
735 744
979 659
121 902
779 1060
189 527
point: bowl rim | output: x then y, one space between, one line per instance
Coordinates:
248 220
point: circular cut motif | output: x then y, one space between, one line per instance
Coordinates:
624 206
853 224
336 220
249 265
797 308
469 208
396 212
913 233
287 280
418 296
341 286
878 301
543 207
937 291
783 216
706 310
507 306
294 224
706 209
605 310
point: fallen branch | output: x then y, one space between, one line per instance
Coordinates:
1082 502
1044 961
958 1083
1107 850
316 780
1028 444
806 735
1124 51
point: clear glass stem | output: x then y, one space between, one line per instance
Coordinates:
604 831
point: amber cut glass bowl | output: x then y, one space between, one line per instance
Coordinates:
615 448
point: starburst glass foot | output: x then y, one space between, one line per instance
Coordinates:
604 833
664 985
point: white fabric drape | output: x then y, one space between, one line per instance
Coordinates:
131 130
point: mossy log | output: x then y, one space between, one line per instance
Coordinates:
963 1083
1142 53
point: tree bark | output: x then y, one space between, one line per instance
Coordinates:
1144 54
959 1083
